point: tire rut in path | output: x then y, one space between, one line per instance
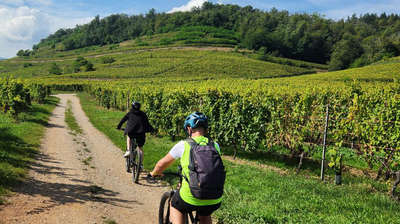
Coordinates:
80 179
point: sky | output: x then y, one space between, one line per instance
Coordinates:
25 22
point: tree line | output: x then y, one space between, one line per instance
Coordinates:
351 42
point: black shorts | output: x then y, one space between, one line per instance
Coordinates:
184 207
140 139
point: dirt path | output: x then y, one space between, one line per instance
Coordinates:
80 179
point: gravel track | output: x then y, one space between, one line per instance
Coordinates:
80 179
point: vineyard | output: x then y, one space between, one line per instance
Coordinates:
160 64
16 96
253 114
254 106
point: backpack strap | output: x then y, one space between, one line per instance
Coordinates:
210 142
193 144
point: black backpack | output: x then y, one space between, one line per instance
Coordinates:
206 171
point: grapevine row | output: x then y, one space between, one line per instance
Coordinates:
16 96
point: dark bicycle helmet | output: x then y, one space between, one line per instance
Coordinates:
135 105
195 120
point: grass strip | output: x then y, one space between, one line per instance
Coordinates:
256 195
20 141
70 119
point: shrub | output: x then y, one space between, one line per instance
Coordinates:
27 64
107 60
55 69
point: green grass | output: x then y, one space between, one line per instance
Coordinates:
280 157
20 141
70 119
87 161
256 195
109 221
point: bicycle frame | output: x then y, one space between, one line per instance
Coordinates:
132 162
193 219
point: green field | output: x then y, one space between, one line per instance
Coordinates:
267 196
266 110
19 142
160 64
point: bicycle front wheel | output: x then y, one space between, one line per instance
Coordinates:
163 210
137 166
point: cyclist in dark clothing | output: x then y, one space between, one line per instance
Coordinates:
136 127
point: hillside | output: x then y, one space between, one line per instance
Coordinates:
286 96
132 61
267 112
354 42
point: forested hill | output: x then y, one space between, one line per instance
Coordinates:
351 42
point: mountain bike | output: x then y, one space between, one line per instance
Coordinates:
134 161
164 209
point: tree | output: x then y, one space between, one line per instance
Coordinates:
55 69
82 62
22 53
345 52
107 60
78 63
89 67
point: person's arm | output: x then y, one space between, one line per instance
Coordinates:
175 153
162 164
125 118
149 128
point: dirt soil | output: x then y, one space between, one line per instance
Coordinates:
80 179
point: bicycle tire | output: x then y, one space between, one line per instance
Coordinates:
193 219
163 212
128 164
137 166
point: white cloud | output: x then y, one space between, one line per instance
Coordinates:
22 26
189 6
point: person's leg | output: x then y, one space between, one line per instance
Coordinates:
205 219
140 140
175 216
128 143
205 212
140 148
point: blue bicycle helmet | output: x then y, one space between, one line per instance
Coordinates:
195 120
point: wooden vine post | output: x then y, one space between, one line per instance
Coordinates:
324 143
396 183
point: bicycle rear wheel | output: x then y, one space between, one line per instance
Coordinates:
137 163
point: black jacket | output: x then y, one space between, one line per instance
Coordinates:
138 123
